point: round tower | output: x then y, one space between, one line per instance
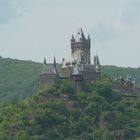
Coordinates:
80 48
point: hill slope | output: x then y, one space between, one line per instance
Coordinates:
65 113
114 71
18 79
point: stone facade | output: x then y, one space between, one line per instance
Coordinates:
49 74
79 68
80 48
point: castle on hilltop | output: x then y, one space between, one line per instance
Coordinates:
79 68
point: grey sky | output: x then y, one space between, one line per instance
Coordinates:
33 29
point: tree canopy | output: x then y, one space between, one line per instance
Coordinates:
65 112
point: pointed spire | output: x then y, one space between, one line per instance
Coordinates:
44 70
55 65
80 35
72 38
94 60
88 37
98 62
45 63
54 61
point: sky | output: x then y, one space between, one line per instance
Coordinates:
34 29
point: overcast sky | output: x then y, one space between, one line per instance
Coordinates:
34 29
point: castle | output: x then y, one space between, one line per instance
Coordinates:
79 68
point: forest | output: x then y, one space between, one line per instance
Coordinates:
67 112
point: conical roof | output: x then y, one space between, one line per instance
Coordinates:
55 66
96 60
72 38
79 35
88 37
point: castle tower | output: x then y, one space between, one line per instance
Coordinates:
80 48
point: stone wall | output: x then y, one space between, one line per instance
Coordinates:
47 80
81 48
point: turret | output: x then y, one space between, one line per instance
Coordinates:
55 66
72 39
45 63
97 63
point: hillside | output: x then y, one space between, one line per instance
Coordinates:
63 112
114 71
19 79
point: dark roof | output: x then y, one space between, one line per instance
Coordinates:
79 35
48 69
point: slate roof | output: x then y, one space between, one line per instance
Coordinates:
48 69
79 36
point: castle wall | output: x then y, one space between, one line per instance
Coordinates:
47 80
90 76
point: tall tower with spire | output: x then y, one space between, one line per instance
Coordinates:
80 48
79 69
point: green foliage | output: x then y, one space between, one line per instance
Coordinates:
103 87
113 71
63 112
18 79
66 86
